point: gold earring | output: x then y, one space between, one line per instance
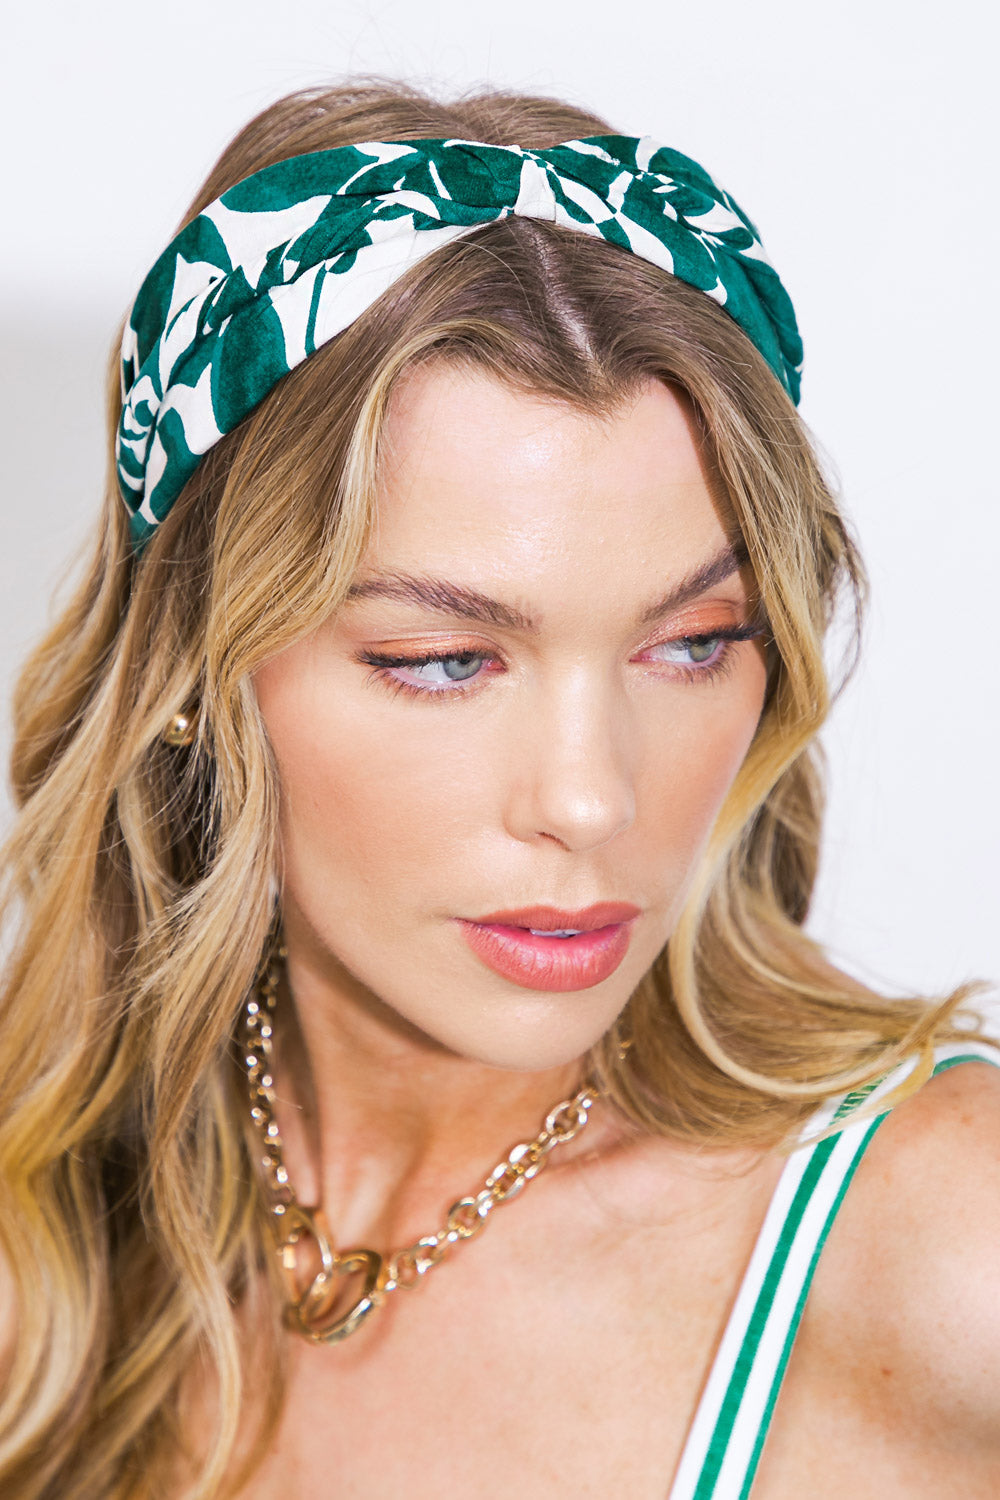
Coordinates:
181 730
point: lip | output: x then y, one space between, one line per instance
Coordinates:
601 914
503 941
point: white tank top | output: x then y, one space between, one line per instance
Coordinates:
727 1435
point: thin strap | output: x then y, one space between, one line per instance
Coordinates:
727 1435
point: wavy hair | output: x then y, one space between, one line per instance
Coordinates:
139 881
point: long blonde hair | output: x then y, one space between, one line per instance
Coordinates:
139 879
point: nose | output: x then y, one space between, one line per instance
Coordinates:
572 773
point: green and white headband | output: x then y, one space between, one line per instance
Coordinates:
286 259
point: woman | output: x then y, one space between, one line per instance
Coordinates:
427 755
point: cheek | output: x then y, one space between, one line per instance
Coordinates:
692 763
367 806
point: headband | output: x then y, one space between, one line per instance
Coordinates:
282 262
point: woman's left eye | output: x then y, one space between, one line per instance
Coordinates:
689 650
701 657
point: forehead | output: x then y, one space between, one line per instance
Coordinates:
481 481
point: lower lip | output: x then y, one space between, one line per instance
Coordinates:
549 963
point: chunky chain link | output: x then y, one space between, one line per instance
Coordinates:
310 1310
467 1217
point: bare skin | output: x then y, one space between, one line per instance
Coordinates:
562 1355
582 760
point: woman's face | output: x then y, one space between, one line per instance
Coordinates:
530 708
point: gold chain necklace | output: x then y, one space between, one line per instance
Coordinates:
312 1311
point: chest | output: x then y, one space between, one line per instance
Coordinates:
574 1373
574 1370
547 1408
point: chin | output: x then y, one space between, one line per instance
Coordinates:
532 1036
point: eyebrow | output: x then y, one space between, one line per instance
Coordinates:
722 566
443 598
469 604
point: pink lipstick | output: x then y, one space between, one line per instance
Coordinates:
545 948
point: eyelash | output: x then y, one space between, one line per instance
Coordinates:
385 664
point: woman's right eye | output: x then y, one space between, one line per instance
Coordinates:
428 674
441 671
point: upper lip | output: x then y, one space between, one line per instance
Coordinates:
555 919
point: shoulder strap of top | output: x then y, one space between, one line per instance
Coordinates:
727 1435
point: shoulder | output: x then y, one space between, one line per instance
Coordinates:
914 1266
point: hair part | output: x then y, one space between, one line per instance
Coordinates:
141 879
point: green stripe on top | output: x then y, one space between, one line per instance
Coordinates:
793 1326
287 258
727 1436
762 1312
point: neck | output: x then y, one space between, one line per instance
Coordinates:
382 1126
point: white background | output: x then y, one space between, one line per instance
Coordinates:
860 138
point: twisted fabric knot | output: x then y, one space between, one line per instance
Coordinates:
289 257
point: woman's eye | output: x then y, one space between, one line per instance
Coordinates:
442 670
689 651
427 673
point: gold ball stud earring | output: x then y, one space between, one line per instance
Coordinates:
181 730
